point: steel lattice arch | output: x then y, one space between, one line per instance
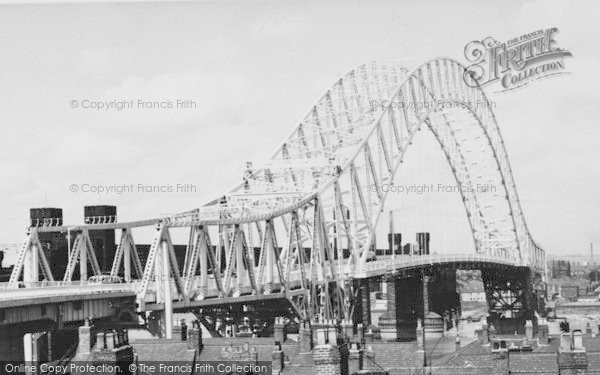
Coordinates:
301 226
345 145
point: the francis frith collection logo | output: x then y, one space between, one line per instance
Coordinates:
517 62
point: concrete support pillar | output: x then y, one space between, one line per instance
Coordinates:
365 302
388 322
530 295
442 296
399 320
391 282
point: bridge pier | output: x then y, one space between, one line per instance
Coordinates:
425 285
363 314
443 297
511 299
388 322
399 322
414 296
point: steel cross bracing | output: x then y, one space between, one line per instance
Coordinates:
301 225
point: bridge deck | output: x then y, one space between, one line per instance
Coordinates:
39 293
47 292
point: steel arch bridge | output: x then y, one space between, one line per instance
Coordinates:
302 225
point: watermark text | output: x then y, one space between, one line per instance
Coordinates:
121 189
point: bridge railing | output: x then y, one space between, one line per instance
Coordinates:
40 290
47 284
407 261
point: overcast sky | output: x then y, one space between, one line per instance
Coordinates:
253 70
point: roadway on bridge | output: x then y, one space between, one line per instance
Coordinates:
48 292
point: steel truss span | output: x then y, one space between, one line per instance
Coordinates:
302 224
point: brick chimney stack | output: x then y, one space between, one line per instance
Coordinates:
277 359
529 329
572 356
279 332
305 337
326 353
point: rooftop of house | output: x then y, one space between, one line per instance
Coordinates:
541 360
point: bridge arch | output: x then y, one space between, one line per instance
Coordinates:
355 137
